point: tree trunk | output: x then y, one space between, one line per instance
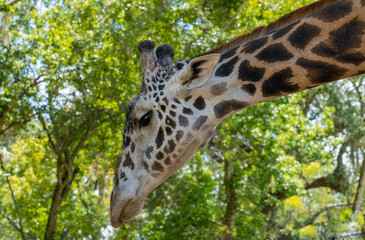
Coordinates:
61 190
53 214
230 198
360 192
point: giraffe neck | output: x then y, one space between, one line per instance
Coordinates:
325 46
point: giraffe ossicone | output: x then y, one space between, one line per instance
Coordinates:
179 106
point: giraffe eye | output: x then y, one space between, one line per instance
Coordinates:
145 120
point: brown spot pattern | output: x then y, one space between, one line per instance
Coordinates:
159 156
148 152
321 72
199 122
183 121
179 135
159 138
228 54
225 107
334 11
218 89
274 53
352 58
128 162
279 83
284 30
303 35
249 88
167 161
199 103
226 69
254 45
157 167
345 38
250 73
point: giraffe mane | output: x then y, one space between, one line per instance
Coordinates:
280 23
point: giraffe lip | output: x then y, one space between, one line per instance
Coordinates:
116 217
129 208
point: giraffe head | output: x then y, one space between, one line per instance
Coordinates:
165 125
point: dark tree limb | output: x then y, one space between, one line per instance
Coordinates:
279 196
5 112
16 123
76 127
59 194
311 96
84 138
342 151
312 217
14 2
16 227
235 15
332 181
335 180
328 181
359 192
45 128
230 198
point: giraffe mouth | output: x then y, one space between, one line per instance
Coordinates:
129 208
124 207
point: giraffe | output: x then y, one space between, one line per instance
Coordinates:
179 106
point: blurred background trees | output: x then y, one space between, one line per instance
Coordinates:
292 168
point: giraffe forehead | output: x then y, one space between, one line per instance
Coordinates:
154 96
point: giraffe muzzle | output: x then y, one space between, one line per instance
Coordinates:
122 210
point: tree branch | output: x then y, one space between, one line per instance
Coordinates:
14 2
309 100
34 83
279 196
84 138
342 151
59 173
13 124
235 15
20 228
331 181
230 198
334 180
312 217
328 181
6 111
76 127
48 133
359 192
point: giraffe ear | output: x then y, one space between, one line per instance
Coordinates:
199 71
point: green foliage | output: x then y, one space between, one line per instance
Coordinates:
66 76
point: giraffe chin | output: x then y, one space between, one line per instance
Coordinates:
128 209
